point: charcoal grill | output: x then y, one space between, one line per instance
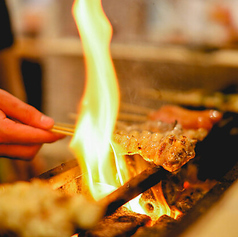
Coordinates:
217 160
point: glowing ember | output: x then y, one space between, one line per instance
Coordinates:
99 106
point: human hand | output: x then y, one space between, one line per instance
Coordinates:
23 129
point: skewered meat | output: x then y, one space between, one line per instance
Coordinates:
169 149
169 139
187 118
34 209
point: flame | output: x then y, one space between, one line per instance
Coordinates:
99 158
163 207
92 142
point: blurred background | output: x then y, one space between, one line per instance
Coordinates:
159 44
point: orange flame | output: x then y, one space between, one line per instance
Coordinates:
100 103
163 208
103 168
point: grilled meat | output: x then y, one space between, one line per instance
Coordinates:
170 149
169 137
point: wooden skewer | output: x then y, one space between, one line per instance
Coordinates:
131 117
63 130
68 129
193 98
61 127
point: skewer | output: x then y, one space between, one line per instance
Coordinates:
195 97
130 117
68 129
66 125
63 130
63 127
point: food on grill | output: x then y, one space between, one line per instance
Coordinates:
170 141
170 149
189 119
34 209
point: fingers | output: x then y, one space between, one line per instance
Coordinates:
22 139
23 152
13 132
23 112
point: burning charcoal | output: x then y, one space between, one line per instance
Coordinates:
185 189
122 223
164 224
188 199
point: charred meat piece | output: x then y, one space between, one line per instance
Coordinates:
169 138
169 149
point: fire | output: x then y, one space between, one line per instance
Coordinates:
163 207
92 142
103 167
